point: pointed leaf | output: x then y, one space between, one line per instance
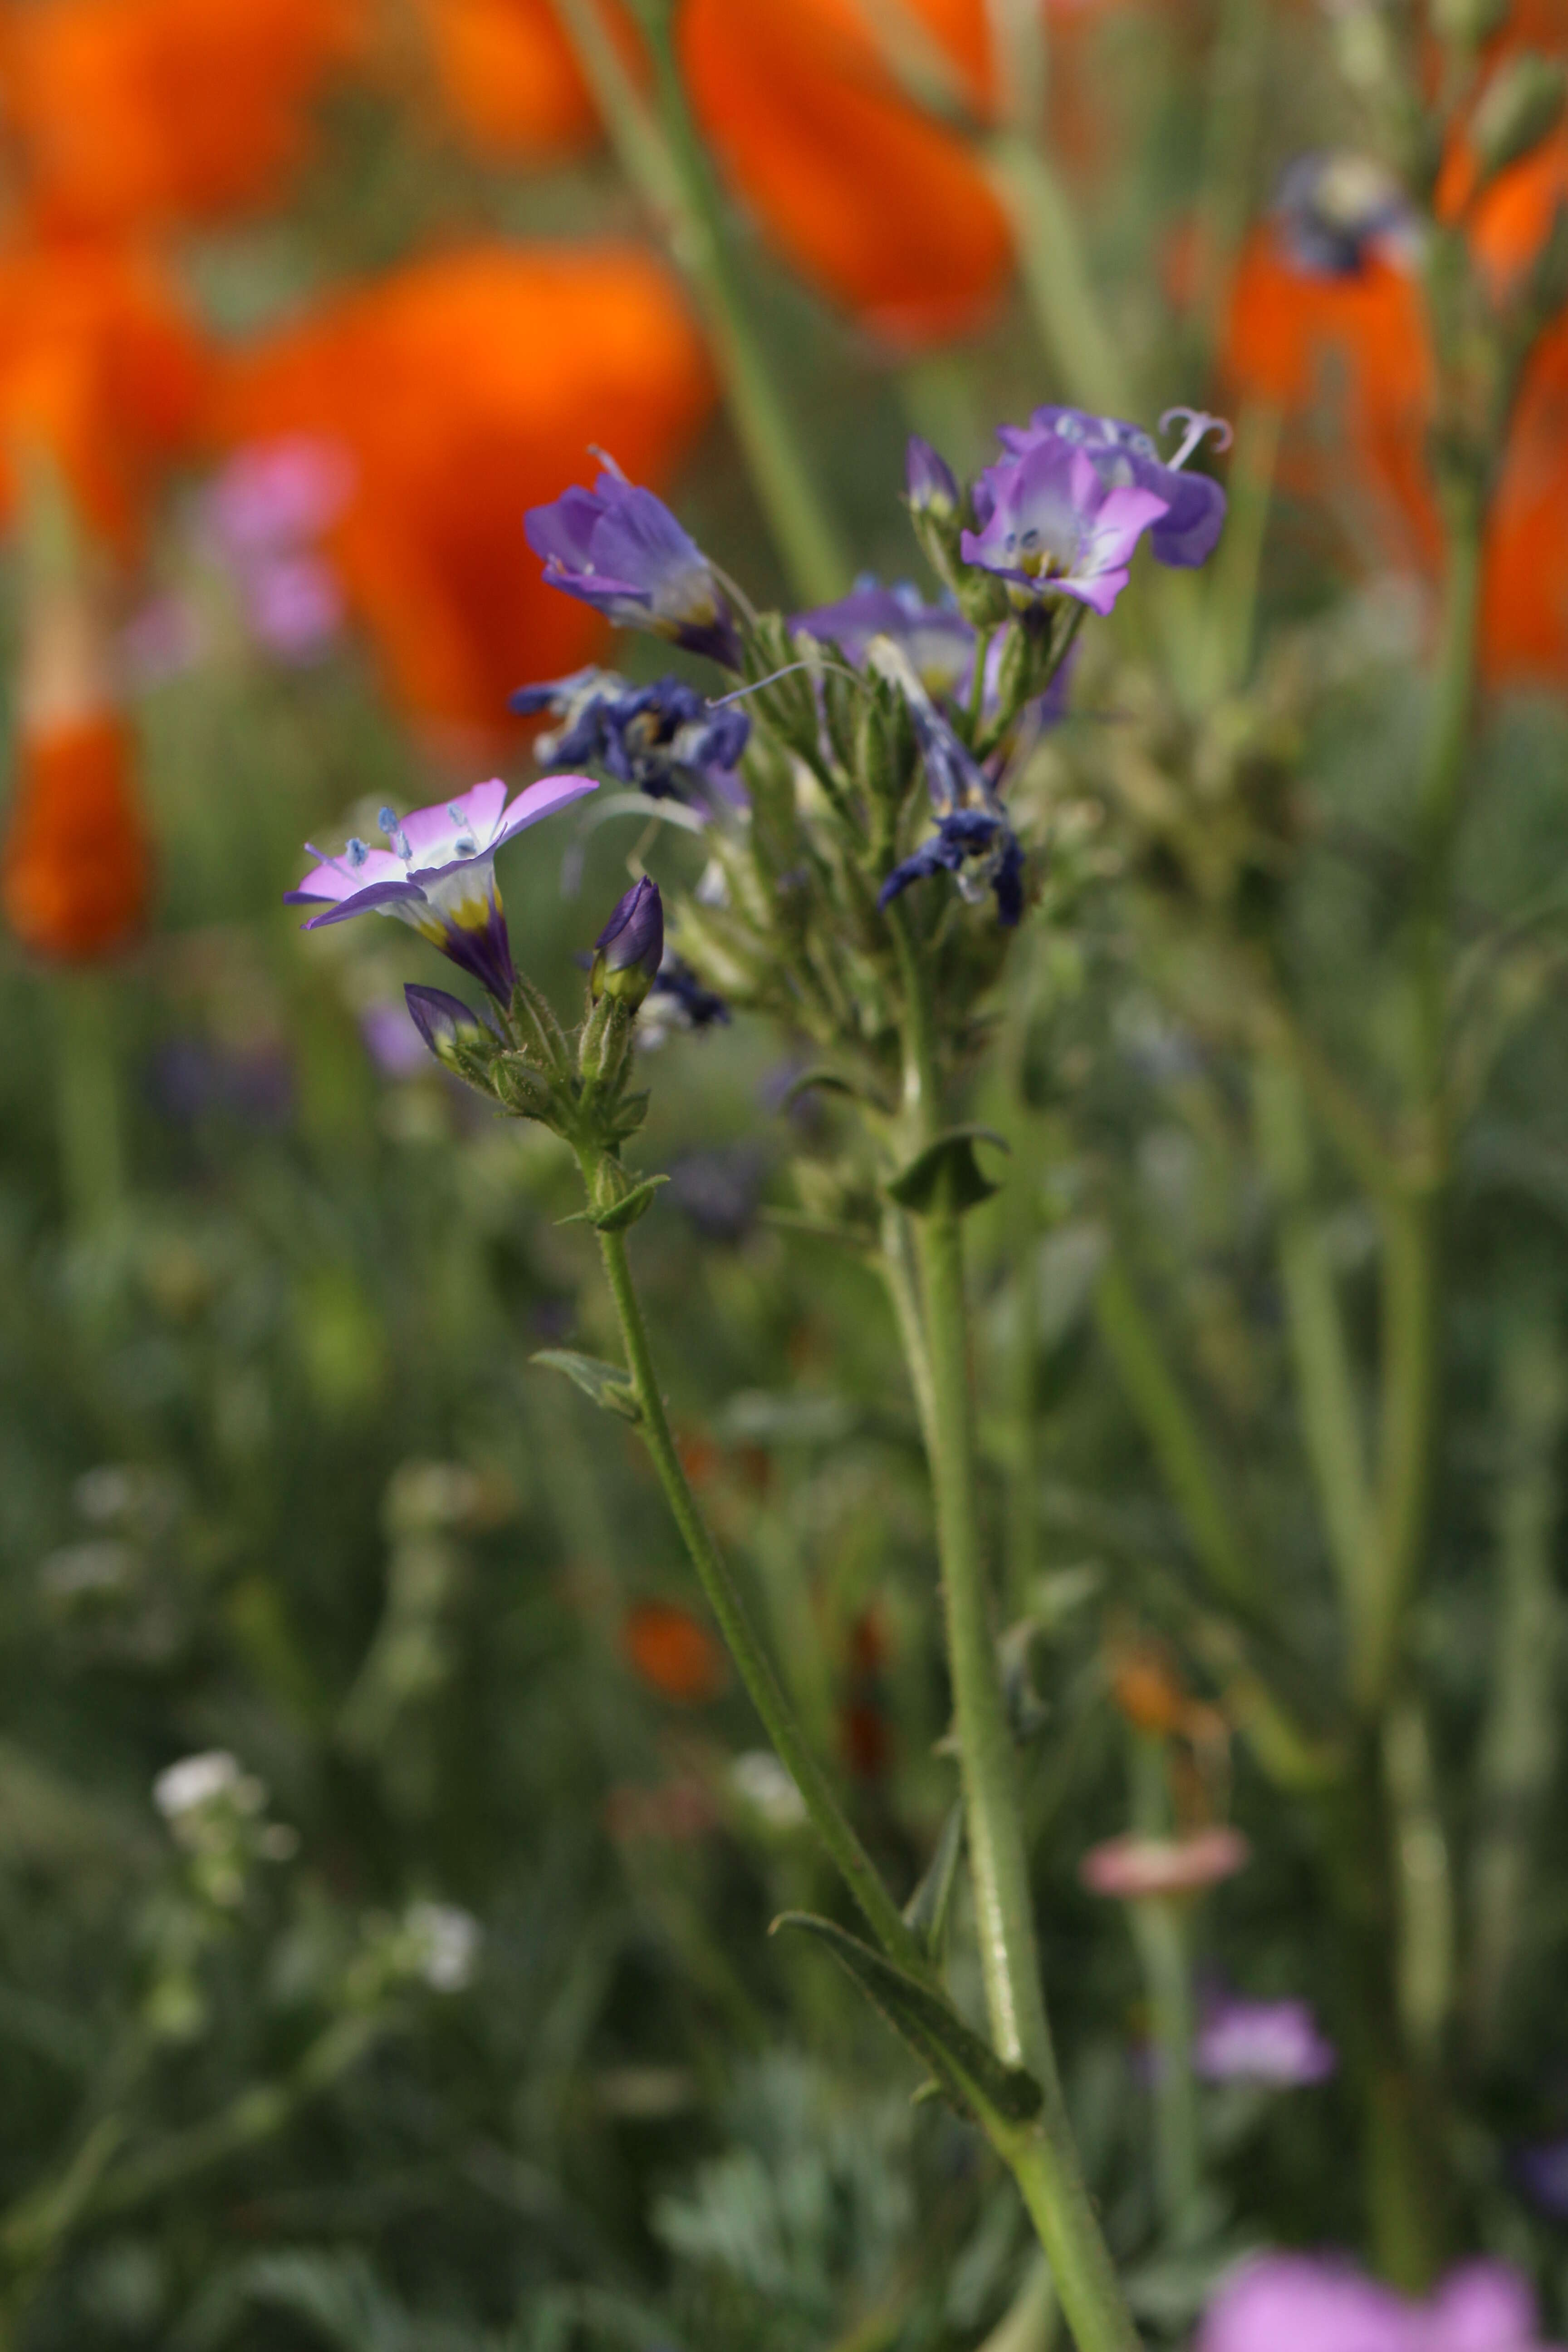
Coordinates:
927 1908
946 1174
967 2067
626 1212
607 1383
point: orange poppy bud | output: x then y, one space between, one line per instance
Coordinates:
536 351
884 208
143 112
673 1653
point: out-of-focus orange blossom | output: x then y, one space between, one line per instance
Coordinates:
464 388
507 73
143 112
75 871
101 367
673 1652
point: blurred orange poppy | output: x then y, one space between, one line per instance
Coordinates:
673 1653
136 112
76 870
509 77
464 388
101 368
872 199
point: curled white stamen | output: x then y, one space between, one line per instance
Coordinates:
1199 424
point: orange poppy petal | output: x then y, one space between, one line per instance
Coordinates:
509 77
879 205
537 351
673 1653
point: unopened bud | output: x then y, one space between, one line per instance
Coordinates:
630 949
449 1027
1520 107
928 480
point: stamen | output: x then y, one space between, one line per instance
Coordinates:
1199 424
605 460
467 843
336 863
387 820
717 701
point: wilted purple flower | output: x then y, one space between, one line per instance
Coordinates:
439 873
662 739
1336 213
446 1023
1124 458
1273 2041
1052 528
937 638
929 479
620 550
974 841
629 949
1305 2302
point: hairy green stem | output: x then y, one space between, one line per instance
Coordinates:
1044 2158
668 164
855 1865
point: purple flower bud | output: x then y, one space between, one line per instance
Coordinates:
446 1023
630 949
928 480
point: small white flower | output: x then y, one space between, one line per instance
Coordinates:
450 1944
760 1781
198 1781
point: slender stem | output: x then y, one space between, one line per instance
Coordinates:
896 1266
1330 1421
1159 1931
92 1162
1422 1883
669 166
1056 275
855 1865
1178 1443
1044 2159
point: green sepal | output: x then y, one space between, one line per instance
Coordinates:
946 1174
928 1908
631 1112
628 1208
970 2073
607 1383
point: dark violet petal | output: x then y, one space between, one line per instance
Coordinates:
363 902
1187 534
443 1019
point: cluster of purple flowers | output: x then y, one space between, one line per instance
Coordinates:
662 739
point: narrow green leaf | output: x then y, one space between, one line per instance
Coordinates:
607 1383
927 1908
624 1213
968 2069
946 1174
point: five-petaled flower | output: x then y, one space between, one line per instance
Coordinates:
1050 526
664 740
439 873
619 549
1125 458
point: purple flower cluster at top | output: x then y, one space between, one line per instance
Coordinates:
438 873
619 549
1306 2303
1061 513
263 517
664 740
1273 2041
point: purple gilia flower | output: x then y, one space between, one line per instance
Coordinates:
439 873
1125 458
446 1023
1272 2042
620 550
974 841
1333 214
665 739
1051 527
629 949
937 638
929 481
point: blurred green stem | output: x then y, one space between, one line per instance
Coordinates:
668 166
1160 1934
92 1160
855 1865
1519 1741
1055 275
1179 1445
1043 2158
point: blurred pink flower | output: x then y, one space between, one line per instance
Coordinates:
1275 2042
1309 2302
1132 1866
